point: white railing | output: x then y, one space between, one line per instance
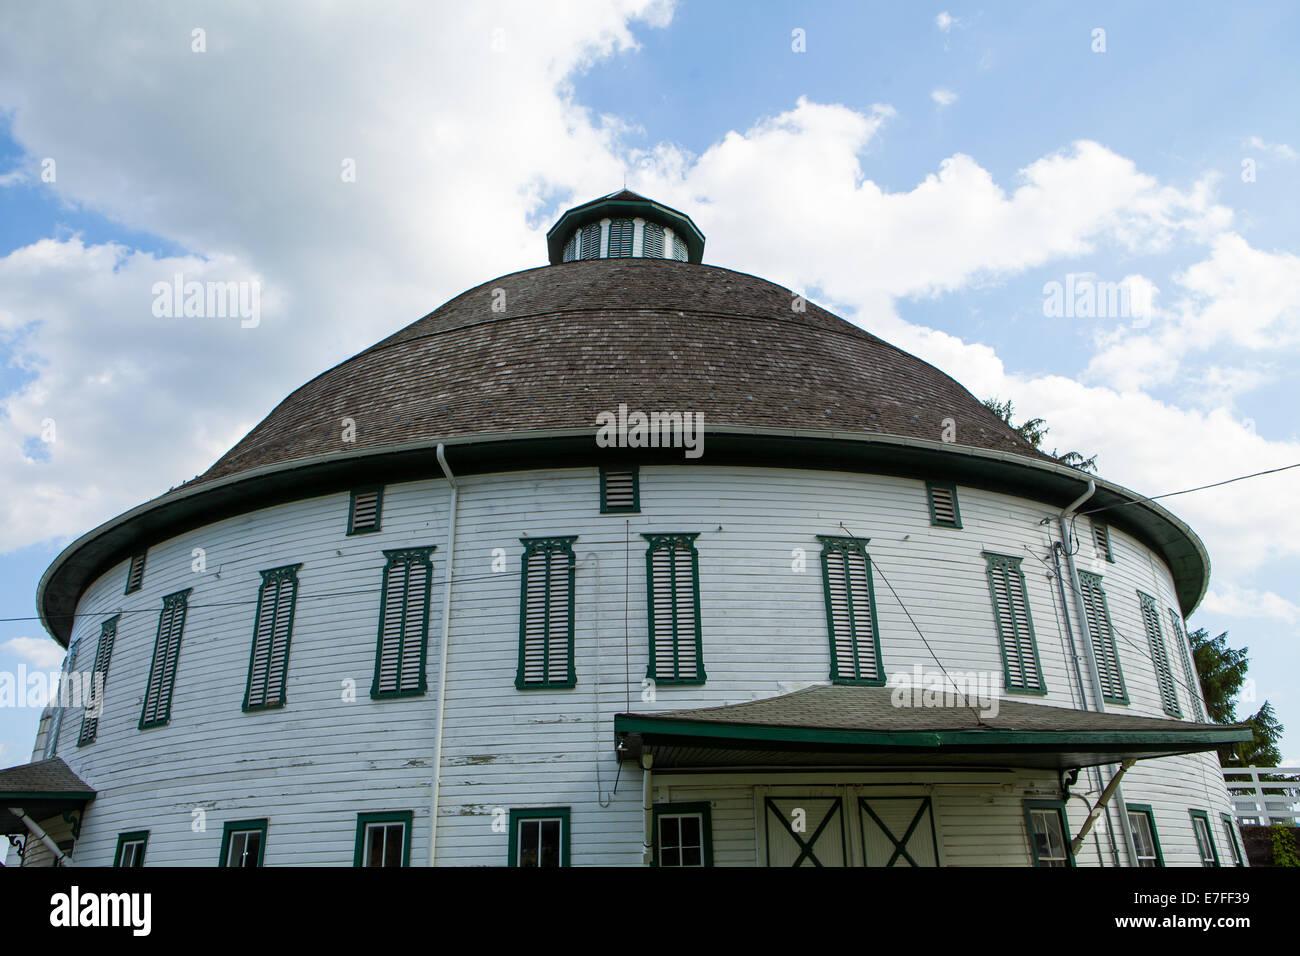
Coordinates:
1264 801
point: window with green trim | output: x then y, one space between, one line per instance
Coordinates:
943 504
130 848
157 709
365 509
1049 833
1142 824
1021 669
268 662
673 609
1101 541
851 611
546 599
1205 847
403 623
620 490
1156 642
589 243
539 837
383 839
620 238
1102 636
683 834
652 240
1191 683
135 573
243 843
1230 837
98 681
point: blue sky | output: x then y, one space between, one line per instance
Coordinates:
925 171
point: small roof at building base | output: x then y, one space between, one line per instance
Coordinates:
40 790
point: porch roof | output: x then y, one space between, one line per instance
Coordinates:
848 725
40 789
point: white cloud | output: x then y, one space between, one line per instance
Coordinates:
943 96
1233 601
12 178
1280 150
40 651
945 21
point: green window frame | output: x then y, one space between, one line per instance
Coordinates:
1148 856
131 848
157 710
672 568
368 824
98 682
1211 858
620 490
1191 683
1159 657
237 836
522 835
402 644
546 608
942 497
851 612
135 573
268 661
1101 541
1230 826
675 845
1039 815
1021 668
366 510
1102 635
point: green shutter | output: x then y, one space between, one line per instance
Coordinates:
365 509
64 690
673 609
546 601
1191 683
1102 636
851 612
1230 835
620 490
268 662
590 242
652 240
135 574
403 624
620 238
98 682
1156 641
944 512
157 709
1021 668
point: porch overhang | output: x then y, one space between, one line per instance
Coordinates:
40 790
854 726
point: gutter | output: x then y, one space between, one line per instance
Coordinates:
40 834
442 659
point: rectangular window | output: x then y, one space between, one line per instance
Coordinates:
1020 665
364 510
383 839
166 656
1048 833
620 238
851 611
403 624
98 681
1191 684
1156 642
682 834
1230 837
673 609
1142 821
590 241
620 491
135 574
1205 847
130 848
1101 540
539 837
1103 638
243 843
546 614
652 240
943 504
268 662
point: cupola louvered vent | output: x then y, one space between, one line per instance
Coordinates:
652 240
590 242
679 249
135 576
620 238
365 510
943 505
619 491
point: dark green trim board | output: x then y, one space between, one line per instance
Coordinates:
243 826
1021 668
133 836
624 476
850 596
403 622
373 524
98 679
1059 807
942 499
157 710
1209 835
135 573
405 817
670 550
268 660
1234 844
1149 812
1159 658
1102 633
704 809
548 566
539 813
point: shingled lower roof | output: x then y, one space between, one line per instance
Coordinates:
40 789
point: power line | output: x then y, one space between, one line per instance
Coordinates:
1187 491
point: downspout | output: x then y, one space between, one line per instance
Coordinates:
442 659
647 778
40 834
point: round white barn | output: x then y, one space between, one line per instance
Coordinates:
629 560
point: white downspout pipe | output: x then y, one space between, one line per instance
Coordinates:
442 658
41 835
647 785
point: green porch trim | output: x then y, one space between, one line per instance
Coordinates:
1149 812
545 548
132 836
1059 807
405 817
704 808
539 813
243 826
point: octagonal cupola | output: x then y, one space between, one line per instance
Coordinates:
624 224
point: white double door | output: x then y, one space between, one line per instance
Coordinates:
845 826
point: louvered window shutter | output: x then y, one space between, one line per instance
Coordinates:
135 575
943 504
272 631
676 639
679 249
98 681
403 624
546 602
652 240
63 698
851 611
1022 670
365 510
590 241
620 238
1101 538
1156 641
571 248
1191 683
1102 636
620 491
166 656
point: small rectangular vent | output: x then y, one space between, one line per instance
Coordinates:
365 509
1101 538
135 576
619 491
943 505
